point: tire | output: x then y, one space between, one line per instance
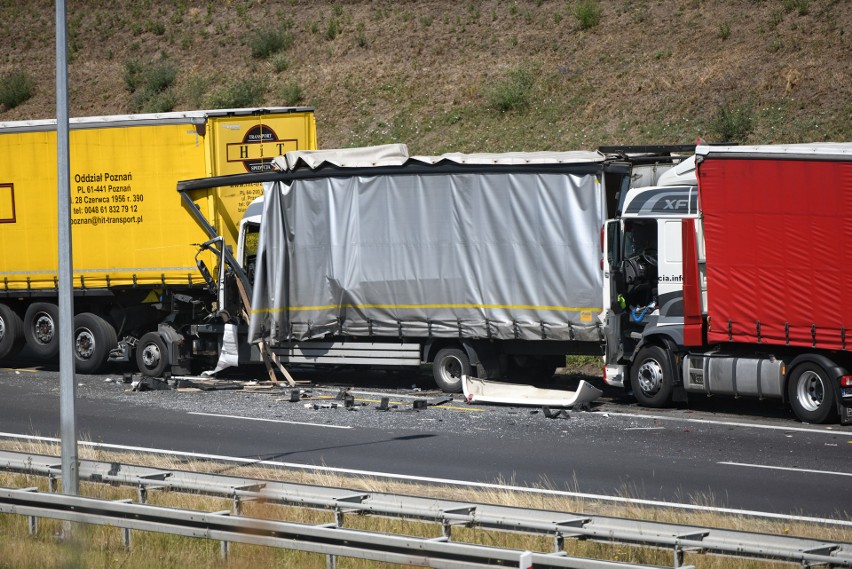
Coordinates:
41 329
152 357
652 377
11 332
94 338
448 367
811 394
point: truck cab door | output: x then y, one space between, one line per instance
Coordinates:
614 286
614 283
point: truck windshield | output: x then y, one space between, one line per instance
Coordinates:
639 260
640 239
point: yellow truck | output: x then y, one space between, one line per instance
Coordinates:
135 262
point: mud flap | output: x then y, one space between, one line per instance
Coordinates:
845 412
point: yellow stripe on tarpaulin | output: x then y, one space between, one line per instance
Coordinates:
426 306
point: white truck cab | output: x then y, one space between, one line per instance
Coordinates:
644 273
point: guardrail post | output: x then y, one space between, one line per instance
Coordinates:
142 492
33 520
125 532
52 486
678 556
446 529
558 542
224 547
331 560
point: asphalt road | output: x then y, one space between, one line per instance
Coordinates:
748 455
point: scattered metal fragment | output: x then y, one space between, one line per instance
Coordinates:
551 414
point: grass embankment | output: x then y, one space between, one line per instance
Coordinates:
102 546
478 76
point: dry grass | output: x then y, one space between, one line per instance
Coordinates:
102 547
648 72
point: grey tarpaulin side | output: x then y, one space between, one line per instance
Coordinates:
504 254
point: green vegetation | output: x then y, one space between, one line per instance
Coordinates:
802 7
588 14
155 27
291 94
15 88
196 89
513 93
360 37
332 29
151 85
280 63
732 124
265 43
240 93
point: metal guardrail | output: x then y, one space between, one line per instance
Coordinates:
559 525
325 539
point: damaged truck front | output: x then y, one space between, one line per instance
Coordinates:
486 264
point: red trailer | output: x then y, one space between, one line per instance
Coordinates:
768 276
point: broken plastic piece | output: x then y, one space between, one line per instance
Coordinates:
482 391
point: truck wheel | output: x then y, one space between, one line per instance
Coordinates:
41 329
11 332
151 355
651 377
94 338
811 393
448 367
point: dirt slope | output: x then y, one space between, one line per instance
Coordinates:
452 76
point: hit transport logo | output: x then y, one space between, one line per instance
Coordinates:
259 146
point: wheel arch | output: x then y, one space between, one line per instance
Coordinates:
434 345
669 340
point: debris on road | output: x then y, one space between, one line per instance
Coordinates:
478 390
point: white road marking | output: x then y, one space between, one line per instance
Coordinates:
272 420
843 433
448 482
644 429
788 468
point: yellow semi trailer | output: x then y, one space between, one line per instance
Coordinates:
135 269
